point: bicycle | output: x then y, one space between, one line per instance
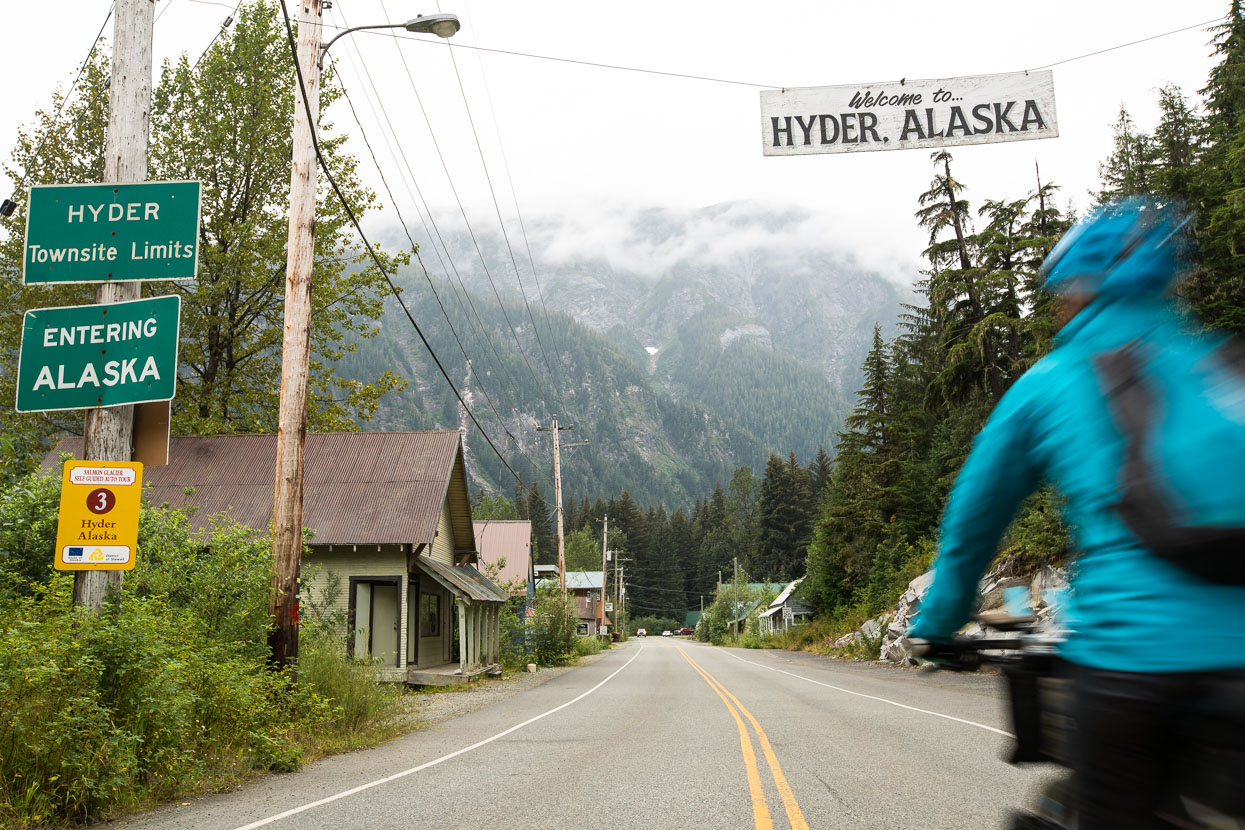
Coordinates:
1039 686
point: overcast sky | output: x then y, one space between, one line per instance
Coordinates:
577 140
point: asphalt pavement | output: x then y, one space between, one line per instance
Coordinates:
669 733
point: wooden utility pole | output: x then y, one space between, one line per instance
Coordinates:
109 431
557 496
605 535
287 512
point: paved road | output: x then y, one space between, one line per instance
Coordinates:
669 733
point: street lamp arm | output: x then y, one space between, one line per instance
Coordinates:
441 25
344 32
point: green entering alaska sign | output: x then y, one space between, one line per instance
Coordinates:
111 232
76 357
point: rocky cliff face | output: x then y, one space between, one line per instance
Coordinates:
640 276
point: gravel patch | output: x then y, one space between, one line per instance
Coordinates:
426 708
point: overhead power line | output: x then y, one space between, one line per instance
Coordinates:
463 212
1130 43
415 250
735 82
553 380
514 194
409 180
315 142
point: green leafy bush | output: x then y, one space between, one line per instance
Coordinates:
553 628
162 692
585 646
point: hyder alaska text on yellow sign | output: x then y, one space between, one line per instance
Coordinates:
98 527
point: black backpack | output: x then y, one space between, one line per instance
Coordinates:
1149 503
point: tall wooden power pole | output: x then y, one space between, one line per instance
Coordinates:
605 535
287 512
109 431
557 499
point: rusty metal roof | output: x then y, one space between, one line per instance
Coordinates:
358 487
462 580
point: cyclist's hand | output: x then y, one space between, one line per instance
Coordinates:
941 655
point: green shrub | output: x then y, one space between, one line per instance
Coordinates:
552 631
515 653
585 646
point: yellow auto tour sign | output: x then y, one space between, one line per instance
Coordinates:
98 527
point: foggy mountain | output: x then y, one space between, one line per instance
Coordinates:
682 343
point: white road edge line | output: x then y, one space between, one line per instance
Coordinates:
345 793
879 699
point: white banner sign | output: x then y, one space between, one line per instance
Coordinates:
907 115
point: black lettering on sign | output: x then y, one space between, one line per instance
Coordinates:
1001 114
957 122
778 131
807 128
881 99
981 114
829 137
1032 115
911 124
929 122
868 127
848 120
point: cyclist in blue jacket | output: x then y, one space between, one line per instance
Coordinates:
1158 651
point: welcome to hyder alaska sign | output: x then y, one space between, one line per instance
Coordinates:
908 114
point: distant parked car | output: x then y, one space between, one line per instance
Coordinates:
667 634
640 632
685 631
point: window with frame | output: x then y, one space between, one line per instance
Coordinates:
429 615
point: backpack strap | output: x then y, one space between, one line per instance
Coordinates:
1216 554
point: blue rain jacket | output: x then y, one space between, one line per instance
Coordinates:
1129 610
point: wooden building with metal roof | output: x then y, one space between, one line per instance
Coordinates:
392 552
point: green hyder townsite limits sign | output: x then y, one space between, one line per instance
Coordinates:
111 232
98 355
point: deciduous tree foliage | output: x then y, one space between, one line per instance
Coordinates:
225 122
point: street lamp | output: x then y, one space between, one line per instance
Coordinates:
441 25
287 510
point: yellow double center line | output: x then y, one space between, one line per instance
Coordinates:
760 809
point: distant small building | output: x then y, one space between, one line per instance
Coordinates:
544 572
748 603
586 588
785 611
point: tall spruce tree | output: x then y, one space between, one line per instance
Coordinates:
539 515
1130 169
1217 290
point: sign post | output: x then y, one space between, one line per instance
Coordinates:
112 232
98 525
